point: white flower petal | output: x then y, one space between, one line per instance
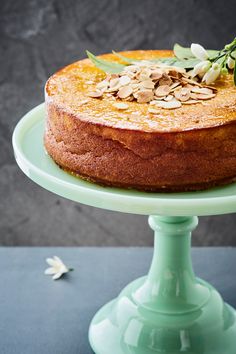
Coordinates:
49 271
212 74
56 276
58 260
201 68
230 63
63 269
198 51
50 261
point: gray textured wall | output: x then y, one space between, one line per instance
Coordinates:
37 38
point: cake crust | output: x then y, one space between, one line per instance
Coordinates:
191 148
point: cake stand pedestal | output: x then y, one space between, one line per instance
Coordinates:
169 310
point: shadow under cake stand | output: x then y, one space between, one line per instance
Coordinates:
169 310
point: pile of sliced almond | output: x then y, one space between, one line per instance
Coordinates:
159 85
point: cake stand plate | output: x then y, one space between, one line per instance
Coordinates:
170 310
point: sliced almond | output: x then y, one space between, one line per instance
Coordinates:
154 102
175 74
202 90
162 90
191 102
124 80
148 84
125 92
129 99
174 85
193 96
95 94
168 98
214 89
153 110
190 81
144 96
145 74
182 94
103 85
205 97
169 105
165 80
114 82
120 105
156 74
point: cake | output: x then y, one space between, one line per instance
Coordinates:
189 148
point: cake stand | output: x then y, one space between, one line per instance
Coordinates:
170 310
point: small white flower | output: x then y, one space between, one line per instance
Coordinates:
198 51
230 63
57 269
201 68
212 74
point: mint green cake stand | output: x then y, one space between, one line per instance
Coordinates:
170 310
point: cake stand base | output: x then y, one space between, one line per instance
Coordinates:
170 310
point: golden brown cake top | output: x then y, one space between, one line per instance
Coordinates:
69 88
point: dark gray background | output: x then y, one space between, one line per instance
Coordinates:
39 37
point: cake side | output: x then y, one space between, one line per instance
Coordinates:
176 161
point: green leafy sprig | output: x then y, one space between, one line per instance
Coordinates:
183 57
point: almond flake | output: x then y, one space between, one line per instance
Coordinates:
125 92
162 90
114 82
169 105
174 85
191 102
144 96
175 74
183 94
148 84
124 80
103 85
168 98
194 96
95 94
205 97
120 105
145 74
165 80
202 90
153 102
153 110
156 74
190 81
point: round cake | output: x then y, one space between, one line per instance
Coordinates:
192 147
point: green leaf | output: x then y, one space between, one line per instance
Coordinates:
185 63
104 65
123 58
168 61
235 73
185 53
181 52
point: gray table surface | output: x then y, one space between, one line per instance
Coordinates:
38 315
